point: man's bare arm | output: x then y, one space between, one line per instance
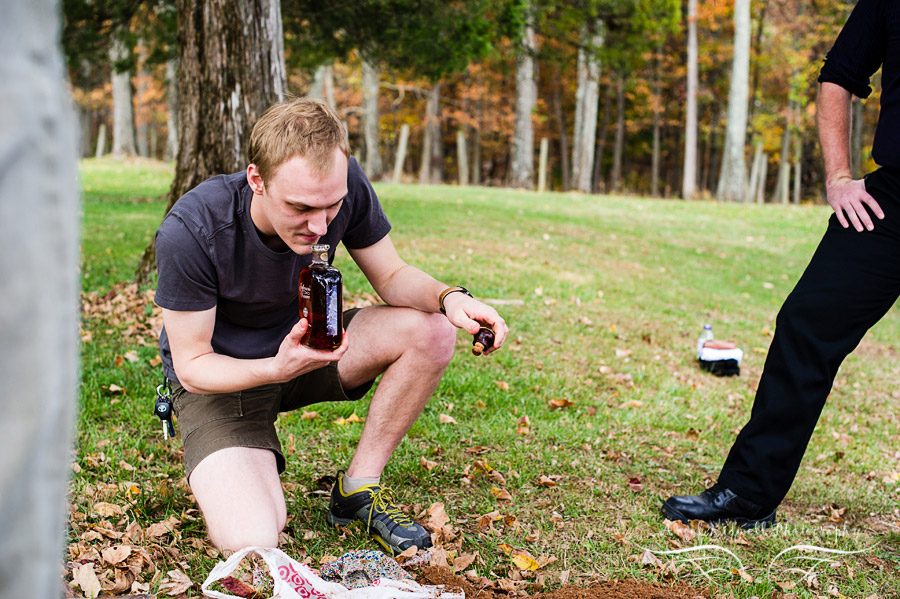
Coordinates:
201 370
400 284
848 197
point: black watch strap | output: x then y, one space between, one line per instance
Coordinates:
448 291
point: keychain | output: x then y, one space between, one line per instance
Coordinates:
163 408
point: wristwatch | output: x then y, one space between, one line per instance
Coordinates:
447 292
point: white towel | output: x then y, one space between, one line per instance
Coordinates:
710 354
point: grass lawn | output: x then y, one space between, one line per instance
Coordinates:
605 297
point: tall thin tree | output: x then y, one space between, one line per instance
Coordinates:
733 175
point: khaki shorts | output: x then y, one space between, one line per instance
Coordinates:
208 423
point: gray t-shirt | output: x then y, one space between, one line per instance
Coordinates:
209 253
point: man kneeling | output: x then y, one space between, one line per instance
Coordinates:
229 254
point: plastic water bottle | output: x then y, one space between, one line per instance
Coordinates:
705 336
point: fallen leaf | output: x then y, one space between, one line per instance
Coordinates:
502 385
437 517
159 529
743 574
115 555
155 361
649 559
546 481
464 561
524 561
132 356
501 494
480 405
407 553
107 510
561 403
354 418
681 530
623 353
427 464
309 415
446 419
176 583
635 484
86 579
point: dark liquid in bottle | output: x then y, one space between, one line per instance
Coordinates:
322 306
483 340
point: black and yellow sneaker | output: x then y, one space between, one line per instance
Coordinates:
374 506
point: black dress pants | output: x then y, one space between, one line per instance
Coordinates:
850 283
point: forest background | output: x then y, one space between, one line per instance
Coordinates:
592 95
645 97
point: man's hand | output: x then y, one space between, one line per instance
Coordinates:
469 314
294 358
848 198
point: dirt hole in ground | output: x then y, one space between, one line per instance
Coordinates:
612 589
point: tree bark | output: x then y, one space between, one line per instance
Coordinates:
400 157
733 175
600 152
323 84
563 136
370 119
585 129
657 110
619 144
526 98
689 177
462 157
231 68
780 195
39 259
172 109
431 170
123 101
542 165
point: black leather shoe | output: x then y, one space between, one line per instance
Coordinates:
717 505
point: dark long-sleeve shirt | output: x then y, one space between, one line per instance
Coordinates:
871 39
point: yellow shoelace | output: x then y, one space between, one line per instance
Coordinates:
384 501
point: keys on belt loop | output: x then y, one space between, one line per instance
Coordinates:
163 408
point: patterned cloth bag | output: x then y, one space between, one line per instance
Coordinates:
293 580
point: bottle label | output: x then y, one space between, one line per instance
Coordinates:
304 291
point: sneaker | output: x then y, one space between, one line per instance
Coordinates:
718 505
374 506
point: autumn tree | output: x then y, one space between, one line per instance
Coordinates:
231 68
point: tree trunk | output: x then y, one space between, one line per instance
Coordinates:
563 136
323 84
856 135
142 121
755 169
599 181
462 157
39 259
476 157
542 165
373 166
619 147
780 195
798 166
763 177
526 98
657 109
689 177
585 129
172 109
733 175
228 90
123 106
101 141
400 157
431 138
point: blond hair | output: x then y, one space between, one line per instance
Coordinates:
298 127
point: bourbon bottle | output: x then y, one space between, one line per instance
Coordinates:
321 303
483 340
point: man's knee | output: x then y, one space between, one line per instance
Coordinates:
435 337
